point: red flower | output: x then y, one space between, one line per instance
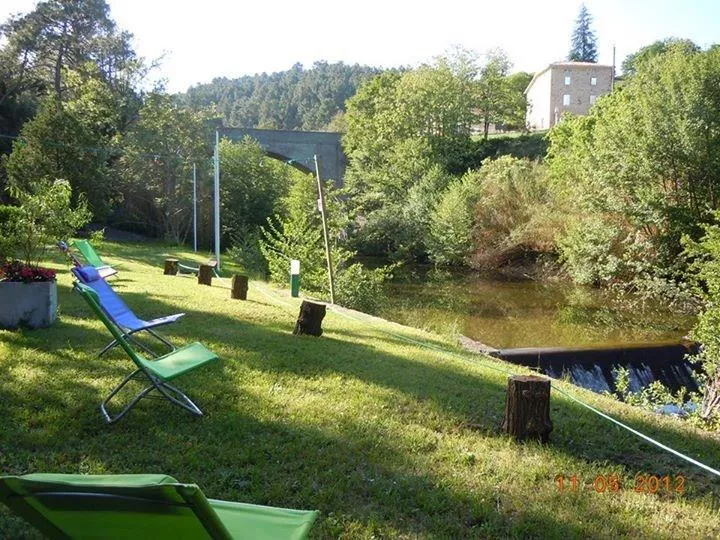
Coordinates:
20 272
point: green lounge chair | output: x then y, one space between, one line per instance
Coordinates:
141 506
158 371
84 247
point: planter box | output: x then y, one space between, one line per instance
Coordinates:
28 305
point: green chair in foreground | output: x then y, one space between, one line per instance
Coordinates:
143 507
158 371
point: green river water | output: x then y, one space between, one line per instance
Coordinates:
508 314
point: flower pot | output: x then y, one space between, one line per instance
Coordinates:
30 305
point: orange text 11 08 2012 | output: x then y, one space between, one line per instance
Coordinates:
613 483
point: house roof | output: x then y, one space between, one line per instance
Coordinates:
564 64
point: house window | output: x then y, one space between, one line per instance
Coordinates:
592 99
567 78
566 99
593 81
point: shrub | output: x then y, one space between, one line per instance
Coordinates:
706 269
588 249
44 216
514 211
451 225
299 236
361 289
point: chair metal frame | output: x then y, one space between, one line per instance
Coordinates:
164 388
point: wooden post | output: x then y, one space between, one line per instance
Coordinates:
239 287
310 319
527 409
171 267
205 274
328 253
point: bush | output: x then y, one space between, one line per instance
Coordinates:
400 230
44 217
706 270
298 235
451 225
588 250
361 289
514 211
246 252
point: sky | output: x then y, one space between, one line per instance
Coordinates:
197 41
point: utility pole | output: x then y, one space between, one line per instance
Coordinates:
612 79
194 208
321 206
217 197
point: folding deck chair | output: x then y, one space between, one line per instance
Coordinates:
119 313
143 507
103 269
158 371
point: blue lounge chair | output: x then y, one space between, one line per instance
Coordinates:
119 313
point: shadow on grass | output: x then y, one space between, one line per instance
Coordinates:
254 447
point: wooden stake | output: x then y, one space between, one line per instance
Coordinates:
171 267
527 409
239 287
205 274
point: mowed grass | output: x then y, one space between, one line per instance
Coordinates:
386 438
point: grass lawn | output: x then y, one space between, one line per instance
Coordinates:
386 438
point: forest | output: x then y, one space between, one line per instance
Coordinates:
625 197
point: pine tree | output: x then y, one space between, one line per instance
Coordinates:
584 43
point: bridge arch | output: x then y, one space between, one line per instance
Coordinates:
297 149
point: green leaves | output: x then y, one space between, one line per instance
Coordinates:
44 216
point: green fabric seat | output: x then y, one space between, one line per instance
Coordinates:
143 507
91 256
158 371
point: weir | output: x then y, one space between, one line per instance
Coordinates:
593 368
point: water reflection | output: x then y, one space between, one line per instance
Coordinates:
507 314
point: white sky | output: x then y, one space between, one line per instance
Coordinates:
200 40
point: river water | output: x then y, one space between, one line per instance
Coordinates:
509 314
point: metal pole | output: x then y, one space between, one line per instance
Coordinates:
194 208
216 197
325 231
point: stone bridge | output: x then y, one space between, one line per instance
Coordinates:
297 148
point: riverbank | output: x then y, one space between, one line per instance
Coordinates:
385 435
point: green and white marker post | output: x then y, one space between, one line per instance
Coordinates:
294 278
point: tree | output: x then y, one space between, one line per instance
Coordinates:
641 170
632 63
69 142
398 125
494 92
155 169
514 115
59 35
252 185
583 47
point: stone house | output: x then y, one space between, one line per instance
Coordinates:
565 87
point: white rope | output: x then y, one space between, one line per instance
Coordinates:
639 434
552 382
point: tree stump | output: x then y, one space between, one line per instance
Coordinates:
310 319
205 274
527 409
171 267
239 287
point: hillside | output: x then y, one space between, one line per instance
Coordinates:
298 98
389 431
